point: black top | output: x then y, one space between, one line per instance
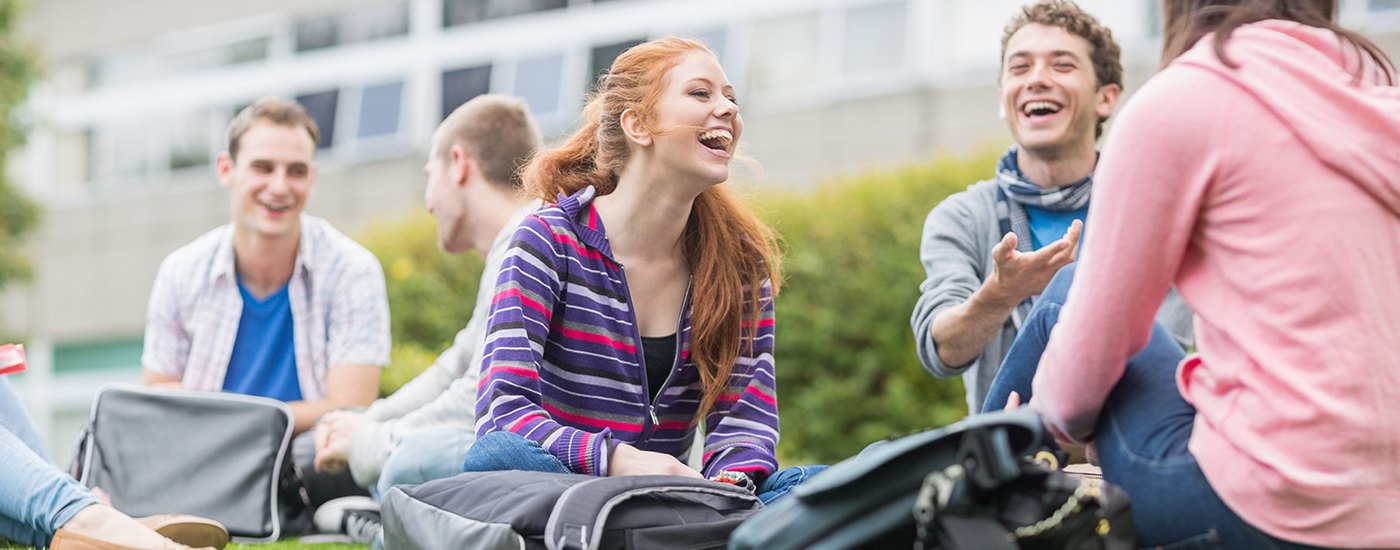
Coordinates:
659 355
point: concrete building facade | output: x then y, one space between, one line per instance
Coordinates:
137 94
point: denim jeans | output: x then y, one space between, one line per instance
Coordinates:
1141 436
35 497
424 455
507 451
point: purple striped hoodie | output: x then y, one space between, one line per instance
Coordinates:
563 365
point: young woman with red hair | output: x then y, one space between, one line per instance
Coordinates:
637 311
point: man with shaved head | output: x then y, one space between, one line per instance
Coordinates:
423 431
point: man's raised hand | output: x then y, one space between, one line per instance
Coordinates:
1020 275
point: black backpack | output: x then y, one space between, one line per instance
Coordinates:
516 509
966 486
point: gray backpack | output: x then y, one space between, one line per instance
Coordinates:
515 509
217 455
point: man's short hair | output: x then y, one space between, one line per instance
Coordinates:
1104 53
497 131
282 112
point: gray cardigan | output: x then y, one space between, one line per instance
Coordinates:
956 251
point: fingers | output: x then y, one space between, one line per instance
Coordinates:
1076 228
321 437
1013 402
685 471
330 465
1005 249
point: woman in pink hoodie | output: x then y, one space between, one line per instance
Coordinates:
1260 173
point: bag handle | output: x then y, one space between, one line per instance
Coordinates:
578 517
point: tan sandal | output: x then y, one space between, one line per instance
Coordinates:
188 530
69 540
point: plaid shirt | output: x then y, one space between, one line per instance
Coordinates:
340 312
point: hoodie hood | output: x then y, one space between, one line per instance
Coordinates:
1306 76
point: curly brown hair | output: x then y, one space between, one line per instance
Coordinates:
1104 53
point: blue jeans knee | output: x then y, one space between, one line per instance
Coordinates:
498 451
784 480
425 455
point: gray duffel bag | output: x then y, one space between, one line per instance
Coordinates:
516 509
217 455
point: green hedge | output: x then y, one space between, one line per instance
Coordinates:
847 369
431 293
848 373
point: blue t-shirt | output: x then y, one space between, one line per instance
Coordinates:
1048 226
264 361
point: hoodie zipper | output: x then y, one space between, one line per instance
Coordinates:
675 359
651 419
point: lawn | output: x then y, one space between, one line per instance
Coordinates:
295 545
281 545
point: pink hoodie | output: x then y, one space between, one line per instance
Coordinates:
1270 195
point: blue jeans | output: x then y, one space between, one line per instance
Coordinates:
1018 368
35 497
507 451
423 456
1141 435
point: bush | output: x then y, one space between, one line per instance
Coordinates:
847 370
848 373
431 293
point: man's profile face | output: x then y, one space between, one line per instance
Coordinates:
1050 96
445 201
271 178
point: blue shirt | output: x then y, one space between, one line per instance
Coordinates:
1048 226
264 362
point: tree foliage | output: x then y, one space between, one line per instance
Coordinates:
431 293
848 373
847 370
19 215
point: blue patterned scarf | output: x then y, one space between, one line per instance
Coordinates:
1014 192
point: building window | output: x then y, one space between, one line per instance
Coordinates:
716 40
785 53
359 25
321 107
874 41
461 85
191 141
129 149
538 81
243 51
461 12
601 58
380 108
1385 5
314 33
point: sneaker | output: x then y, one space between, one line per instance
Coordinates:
331 517
362 525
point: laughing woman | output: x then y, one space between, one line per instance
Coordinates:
639 308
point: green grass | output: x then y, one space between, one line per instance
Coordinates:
280 545
295 545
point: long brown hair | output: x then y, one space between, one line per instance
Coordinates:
1187 21
731 252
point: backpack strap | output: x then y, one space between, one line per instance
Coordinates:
581 514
